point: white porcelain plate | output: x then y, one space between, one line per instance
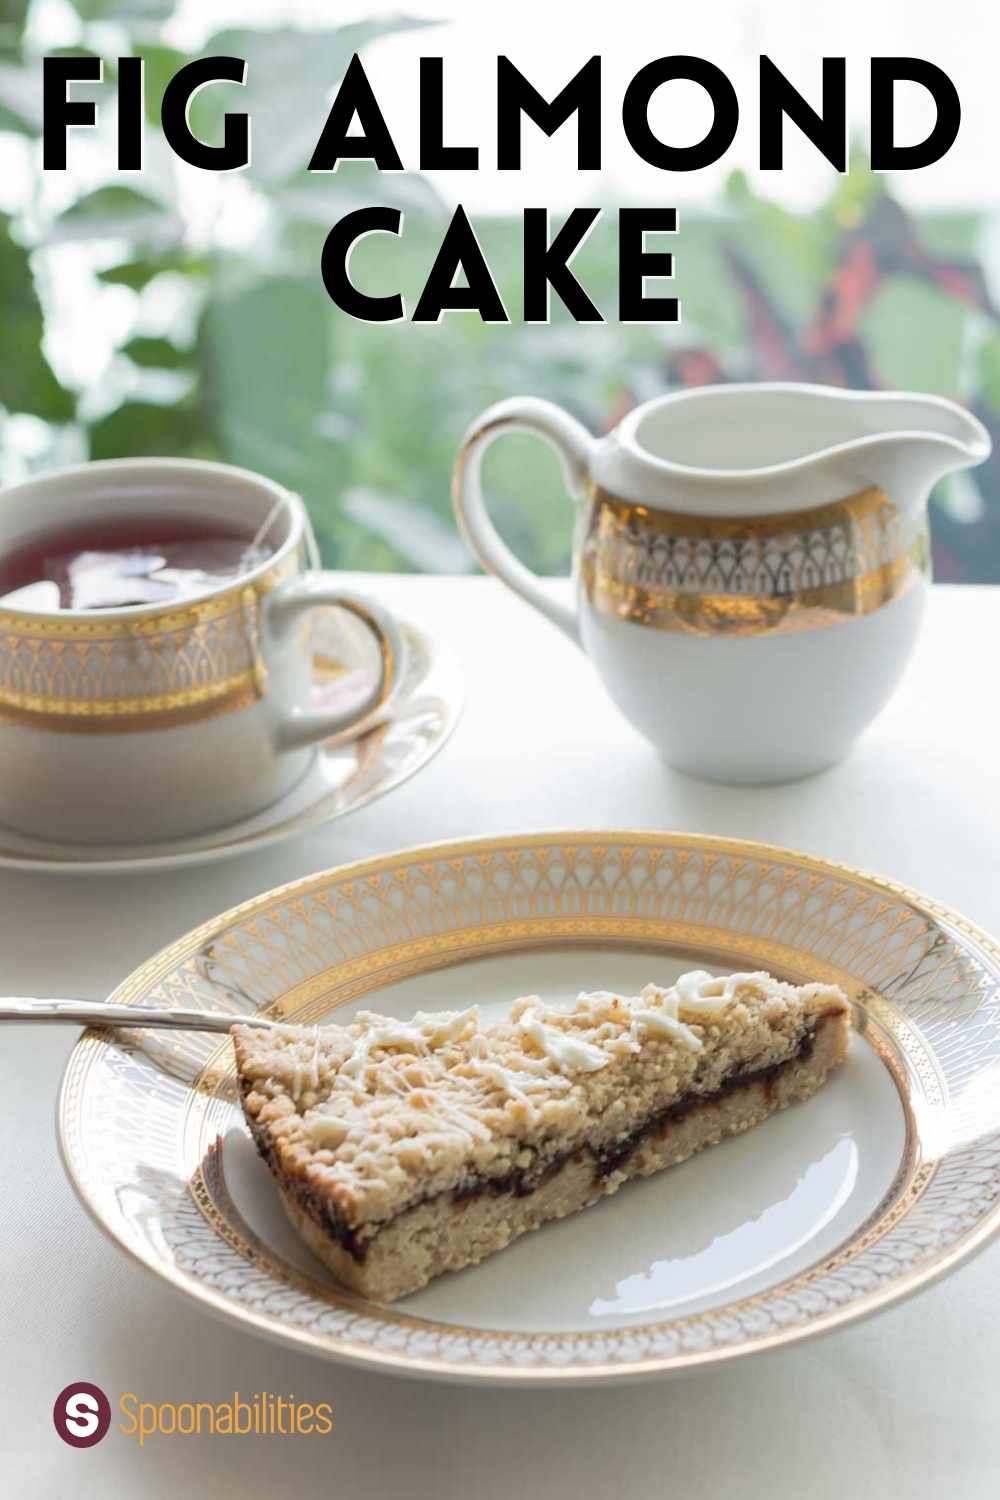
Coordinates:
833 1209
346 774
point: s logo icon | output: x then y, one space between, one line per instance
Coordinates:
81 1414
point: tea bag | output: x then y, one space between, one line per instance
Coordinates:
181 570
106 580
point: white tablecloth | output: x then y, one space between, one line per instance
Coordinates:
906 1405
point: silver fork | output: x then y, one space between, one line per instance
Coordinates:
97 1013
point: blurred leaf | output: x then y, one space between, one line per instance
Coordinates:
264 352
324 197
137 274
988 362
20 98
117 213
160 65
13 14
27 383
430 544
737 190
140 429
792 253
21 89
952 234
124 10
290 76
157 354
855 192
915 335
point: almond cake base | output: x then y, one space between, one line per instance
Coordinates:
386 1234
449 1232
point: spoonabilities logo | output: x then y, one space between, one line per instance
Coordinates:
81 1414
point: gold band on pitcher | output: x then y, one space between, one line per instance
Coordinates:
736 576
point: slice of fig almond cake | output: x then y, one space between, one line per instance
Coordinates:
403 1149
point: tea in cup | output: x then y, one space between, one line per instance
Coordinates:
155 672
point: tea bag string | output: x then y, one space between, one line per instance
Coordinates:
312 546
258 537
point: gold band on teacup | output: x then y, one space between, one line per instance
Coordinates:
152 670
767 574
94 626
120 715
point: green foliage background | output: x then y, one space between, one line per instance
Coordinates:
255 366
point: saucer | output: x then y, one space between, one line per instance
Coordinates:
347 772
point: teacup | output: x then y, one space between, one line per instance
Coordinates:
159 721
751 561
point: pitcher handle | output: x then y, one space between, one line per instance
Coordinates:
574 445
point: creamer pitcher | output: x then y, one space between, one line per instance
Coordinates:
751 561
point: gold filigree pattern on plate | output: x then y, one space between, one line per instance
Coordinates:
139 1134
709 575
136 671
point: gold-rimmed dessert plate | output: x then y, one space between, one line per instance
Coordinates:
832 1210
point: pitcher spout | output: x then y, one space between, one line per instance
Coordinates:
906 443
734 444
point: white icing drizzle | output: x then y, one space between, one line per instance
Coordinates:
423 1034
452 1114
307 1075
660 1022
655 1013
567 1052
397 1034
516 1085
442 1026
704 993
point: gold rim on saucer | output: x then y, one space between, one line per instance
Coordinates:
144 1124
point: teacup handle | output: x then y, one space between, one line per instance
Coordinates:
302 727
574 445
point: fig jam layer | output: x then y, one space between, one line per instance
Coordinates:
357 1243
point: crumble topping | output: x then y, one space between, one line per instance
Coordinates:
379 1114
